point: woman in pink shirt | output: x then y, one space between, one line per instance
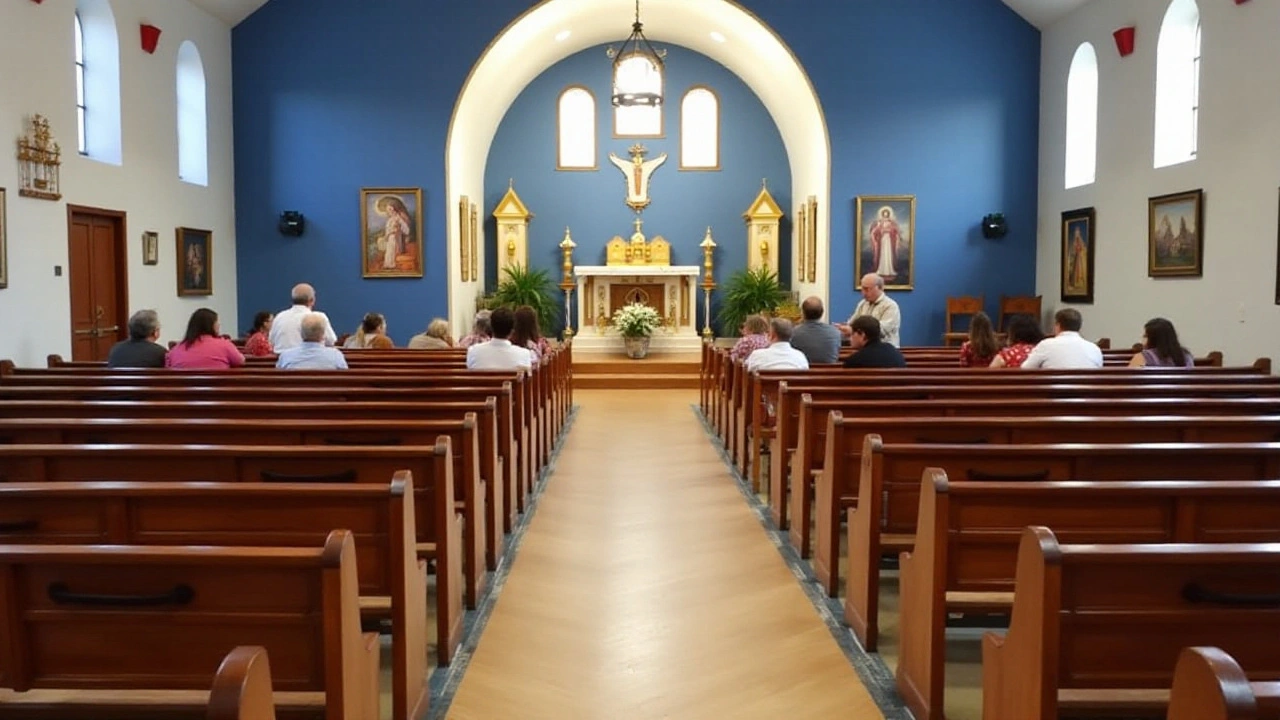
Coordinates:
203 347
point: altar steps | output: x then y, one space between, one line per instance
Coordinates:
615 372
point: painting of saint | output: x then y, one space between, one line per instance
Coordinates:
1176 226
885 242
1077 255
195 262
391 232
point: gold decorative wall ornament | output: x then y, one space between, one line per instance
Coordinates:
762 219
638 250
812 254
464 238
475 242
513 230
40 158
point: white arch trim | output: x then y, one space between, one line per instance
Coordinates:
527 47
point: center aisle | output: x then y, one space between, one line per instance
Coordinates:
646 588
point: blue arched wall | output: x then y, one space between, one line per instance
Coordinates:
591 204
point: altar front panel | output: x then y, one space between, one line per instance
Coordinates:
671 290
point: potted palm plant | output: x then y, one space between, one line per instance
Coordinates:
636 324
526 286
746 293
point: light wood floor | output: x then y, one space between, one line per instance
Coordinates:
645 588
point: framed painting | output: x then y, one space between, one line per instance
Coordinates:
1175 242
885 239
4 242
391 232
195 262
150 248
464 233
1077 255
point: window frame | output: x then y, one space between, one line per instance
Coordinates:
1068 147
662 116
82 111
595 130
718 125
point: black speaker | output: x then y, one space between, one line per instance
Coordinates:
292 223
994 226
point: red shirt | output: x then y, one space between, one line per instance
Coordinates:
1015 355
258 345
968 358
206 353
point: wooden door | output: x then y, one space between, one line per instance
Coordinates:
99 282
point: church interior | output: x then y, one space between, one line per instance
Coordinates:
581 534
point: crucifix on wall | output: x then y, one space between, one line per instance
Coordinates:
637 171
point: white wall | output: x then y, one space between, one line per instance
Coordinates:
36 76
1232 307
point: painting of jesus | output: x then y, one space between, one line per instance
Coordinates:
885 242
391 232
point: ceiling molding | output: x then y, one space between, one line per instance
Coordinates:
1043 13
231 12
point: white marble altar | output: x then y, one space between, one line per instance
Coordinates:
672 289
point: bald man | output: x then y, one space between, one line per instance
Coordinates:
819 341
286 329
879 306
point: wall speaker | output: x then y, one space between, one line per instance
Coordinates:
994 226
292 223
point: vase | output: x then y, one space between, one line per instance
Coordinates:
637 347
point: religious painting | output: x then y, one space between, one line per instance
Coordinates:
1175 244
391 232
885 239
150 248
1077 255
4 243
195 262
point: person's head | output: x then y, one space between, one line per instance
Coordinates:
481 325
303 294
1159 335
439 328
1067 320
982 337
373 324
203 322
144 325
780 330
812 309
312 328
502 321
863 331
526 329
262 322
754 325
872 287
1024 330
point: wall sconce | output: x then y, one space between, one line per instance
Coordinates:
1124 40
150 38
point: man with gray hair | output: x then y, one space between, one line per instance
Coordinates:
779 355
481 331
879 306
312 354
141 349
286 329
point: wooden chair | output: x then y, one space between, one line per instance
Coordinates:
960 306
1012 305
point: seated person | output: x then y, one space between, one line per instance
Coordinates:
141 349
437 337
1161 347
779 355
981 347
499 353
481 331
528 334
203 347
1066 350
312 354
371 335
258 344
755 336
819 341
872 351
1024 335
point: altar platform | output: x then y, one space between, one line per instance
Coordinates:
614 371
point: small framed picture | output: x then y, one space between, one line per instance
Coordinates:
1176 235
391 240
195 262
1077 255
150 248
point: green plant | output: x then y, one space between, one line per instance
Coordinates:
636 320
524 286
748 292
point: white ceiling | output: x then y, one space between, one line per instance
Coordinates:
1041 13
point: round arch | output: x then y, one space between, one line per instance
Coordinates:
555 29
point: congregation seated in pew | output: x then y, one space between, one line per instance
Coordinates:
527 333
481 330
871 349
1066 350
286 329
371 335
203 347
499 353
313 353
819 341
257 344
981 347
1161 348
436 337
1024 335
779 355
755 336
142 349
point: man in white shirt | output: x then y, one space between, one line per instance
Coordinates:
779 355
499 353
879 306
1066 350
286 329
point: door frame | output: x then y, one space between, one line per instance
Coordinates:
121 269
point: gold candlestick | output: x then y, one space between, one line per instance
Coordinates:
708 246
567 284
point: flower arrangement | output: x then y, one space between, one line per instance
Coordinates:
636 321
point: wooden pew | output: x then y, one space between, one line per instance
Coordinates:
1099 627
391 579
966 549
242 687
160 619
1208 684
889 490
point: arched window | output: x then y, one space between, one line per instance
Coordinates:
1177 84
1082 117
700 129
193 122
576 129
639 121
98 81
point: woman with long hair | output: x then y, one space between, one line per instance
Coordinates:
257 343
372 334
1160 347
1024 335
527 334
981 347
203 347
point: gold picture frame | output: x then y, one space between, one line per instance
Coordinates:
802 243
885 224
393 214
194 262
464 238
475 243
150 248
1175 235
812 253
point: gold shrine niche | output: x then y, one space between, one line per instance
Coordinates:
637 250
40 158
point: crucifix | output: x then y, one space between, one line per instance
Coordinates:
637 172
